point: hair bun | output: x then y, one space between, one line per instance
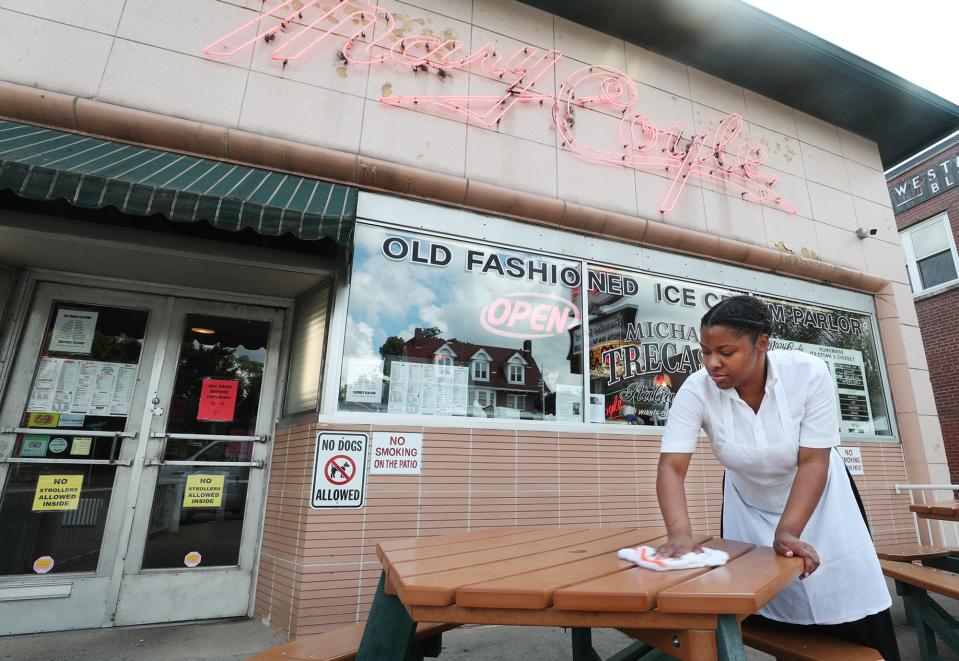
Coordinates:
745 314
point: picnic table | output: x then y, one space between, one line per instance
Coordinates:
571 577
946 510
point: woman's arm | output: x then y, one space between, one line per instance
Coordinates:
806 491
670 477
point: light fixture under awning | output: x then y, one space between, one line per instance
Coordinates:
46 164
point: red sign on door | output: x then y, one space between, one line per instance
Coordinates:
218 400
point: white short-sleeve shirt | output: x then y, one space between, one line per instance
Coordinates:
760 451
810 406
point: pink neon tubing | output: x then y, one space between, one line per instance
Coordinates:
645 145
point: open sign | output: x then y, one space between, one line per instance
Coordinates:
529 315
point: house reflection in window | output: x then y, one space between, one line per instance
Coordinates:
504 381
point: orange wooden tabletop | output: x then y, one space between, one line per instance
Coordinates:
947 510
564 576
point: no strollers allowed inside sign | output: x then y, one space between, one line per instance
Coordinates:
339 472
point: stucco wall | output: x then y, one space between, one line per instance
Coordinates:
149 55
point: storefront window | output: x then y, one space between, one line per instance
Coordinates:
441 327
644 343
444 327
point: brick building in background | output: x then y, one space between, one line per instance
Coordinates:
925 200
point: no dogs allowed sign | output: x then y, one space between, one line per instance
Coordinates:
339 472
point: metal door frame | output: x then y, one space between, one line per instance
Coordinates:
130 571
28 339
23 303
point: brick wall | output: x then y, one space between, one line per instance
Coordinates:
939 319
318 568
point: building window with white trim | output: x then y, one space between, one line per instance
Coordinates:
514 401
515 371
481 368
443 356
930 254
484 397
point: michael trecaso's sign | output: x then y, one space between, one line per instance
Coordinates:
396 454
339 472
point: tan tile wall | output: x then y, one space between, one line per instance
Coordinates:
318 569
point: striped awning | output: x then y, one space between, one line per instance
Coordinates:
45 164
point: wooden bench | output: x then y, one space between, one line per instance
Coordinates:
789 643
342 644
913 584
911 552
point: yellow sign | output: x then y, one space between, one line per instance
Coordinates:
57 493
203 491
49 420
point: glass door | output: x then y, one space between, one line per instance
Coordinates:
70 428
196 529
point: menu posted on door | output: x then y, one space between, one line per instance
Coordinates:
339 470
85 387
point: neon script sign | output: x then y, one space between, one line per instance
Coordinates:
529 315
370 37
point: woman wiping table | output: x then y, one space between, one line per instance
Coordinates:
771 418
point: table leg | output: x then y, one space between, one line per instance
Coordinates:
929 619
583 645
583 649
389 628
729 639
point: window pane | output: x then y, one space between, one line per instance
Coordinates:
186 519
85 380
218 378
306 353
644 344
57 511
937 269
421 308
930 239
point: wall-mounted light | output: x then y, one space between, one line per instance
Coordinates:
866 232
203 331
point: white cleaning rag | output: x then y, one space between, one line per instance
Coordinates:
645 556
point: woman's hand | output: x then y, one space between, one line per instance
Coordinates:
790 545
678 546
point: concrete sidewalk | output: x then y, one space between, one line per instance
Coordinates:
235 640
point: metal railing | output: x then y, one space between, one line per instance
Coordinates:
932 531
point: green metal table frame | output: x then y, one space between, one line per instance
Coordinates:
388 636
928 617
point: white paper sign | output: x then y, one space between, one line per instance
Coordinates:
396 453
73 331
364 380
428 388
339 470
82 387
849 375
853 459
597 407
569 401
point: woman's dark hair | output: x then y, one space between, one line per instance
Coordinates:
742 314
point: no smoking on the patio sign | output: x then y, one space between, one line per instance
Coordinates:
339 471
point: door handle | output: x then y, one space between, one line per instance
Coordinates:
258 463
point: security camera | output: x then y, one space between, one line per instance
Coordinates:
866 232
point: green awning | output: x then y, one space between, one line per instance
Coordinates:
44 164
